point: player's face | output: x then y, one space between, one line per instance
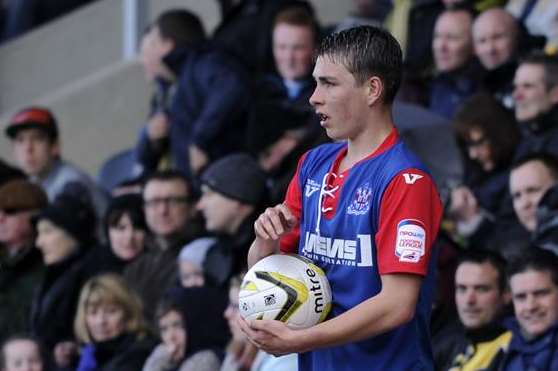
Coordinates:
535 300
34 151
528 184
477 295
293 47
339 101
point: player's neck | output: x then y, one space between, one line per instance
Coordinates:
368 140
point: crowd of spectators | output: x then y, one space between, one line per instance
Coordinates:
145 276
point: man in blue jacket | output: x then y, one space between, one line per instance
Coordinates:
206 96
533 279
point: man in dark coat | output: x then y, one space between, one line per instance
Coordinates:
205 116
21 267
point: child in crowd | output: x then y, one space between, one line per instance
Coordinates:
21 353
184 345
190 262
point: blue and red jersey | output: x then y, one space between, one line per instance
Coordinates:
378 217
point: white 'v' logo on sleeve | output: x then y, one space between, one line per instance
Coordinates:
412 178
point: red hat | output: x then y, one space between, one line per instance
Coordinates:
33 117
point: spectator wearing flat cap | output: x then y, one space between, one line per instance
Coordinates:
21 267
34 134
65 231
233 193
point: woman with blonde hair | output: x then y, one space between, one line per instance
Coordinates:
110 325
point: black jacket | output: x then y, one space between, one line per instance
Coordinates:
55 301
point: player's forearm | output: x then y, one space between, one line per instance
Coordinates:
261 248
377 315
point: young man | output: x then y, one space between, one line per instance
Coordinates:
365 210
533 280
34 134
207 96
481 297
233 190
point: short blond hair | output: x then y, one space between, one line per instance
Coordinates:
109 289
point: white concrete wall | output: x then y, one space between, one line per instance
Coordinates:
75 67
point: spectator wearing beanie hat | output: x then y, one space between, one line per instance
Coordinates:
233 191
21 267
34 134
65 230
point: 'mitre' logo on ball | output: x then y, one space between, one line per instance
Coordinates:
411 241
287 288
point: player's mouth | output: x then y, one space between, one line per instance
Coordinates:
323 118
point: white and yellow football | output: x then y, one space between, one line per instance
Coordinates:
287 288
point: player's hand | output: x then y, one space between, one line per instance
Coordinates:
158 126
273 337
198 159
275 222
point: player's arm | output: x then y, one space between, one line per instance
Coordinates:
410 199
391 308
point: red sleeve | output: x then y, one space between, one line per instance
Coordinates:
410 216
293 200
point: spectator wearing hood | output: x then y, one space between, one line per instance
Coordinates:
21 266
186 335
65 231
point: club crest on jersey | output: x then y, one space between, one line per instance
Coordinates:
411 241
360 203
311 187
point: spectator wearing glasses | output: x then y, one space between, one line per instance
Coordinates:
169 214
488 136
21 265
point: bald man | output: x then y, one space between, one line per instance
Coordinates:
495 34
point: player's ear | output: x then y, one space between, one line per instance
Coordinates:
374 89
